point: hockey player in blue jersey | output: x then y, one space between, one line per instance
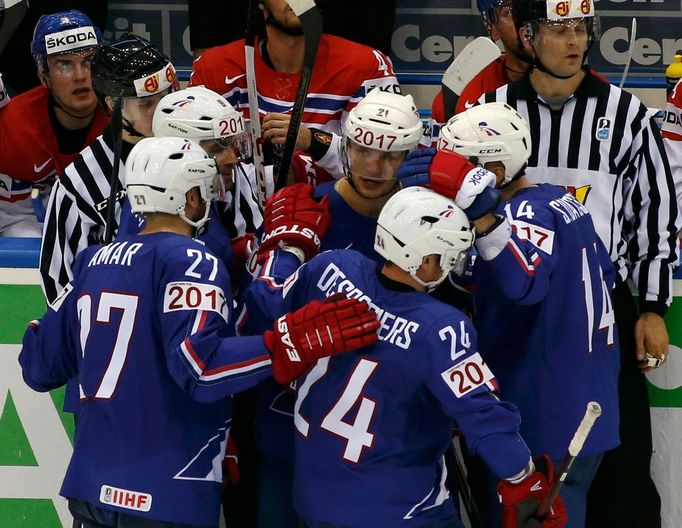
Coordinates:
372 427
542 295
143 327
378 134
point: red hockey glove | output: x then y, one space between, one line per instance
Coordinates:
242 248
231 463
293 217
316 330
470 186
520 502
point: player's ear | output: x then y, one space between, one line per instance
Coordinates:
110 103
193 197
524 37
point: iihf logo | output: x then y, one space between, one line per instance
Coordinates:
603 132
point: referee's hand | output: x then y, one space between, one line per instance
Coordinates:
651 337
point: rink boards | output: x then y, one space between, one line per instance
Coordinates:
35 437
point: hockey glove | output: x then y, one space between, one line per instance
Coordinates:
317 330
520 502
293 217
231 463
453 176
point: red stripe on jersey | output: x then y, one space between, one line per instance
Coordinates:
520 257
195 357
235 366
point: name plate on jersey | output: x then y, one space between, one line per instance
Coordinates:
467 375
195 296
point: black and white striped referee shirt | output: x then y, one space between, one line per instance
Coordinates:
77 210
605 148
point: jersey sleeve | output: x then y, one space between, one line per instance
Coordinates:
273 292
65 235
437 108
464 386
671 131
48 353
653 216
194 304
520 257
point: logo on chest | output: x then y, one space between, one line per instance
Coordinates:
603 132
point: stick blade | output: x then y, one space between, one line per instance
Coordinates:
471 60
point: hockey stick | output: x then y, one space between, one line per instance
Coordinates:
254 113
470 62
631 50
311 22
452 458
11 15
116 132
592 412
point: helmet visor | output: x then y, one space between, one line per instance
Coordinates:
371 164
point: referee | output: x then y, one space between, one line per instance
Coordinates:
600 143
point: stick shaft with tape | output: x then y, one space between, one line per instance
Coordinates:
592 412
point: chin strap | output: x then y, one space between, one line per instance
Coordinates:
128 127
57 104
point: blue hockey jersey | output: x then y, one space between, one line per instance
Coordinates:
274 405
544 318
372 426
142 325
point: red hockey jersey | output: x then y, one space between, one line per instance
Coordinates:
29 152
344 72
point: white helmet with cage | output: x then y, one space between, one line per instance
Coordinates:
416 222
199 113
489 132
159 171
385 122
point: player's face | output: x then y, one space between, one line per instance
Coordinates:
561 46
68 78
373 171
281 12
498 169
138 111
225 157
503 27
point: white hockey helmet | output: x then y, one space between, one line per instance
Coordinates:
383 121
489 132
159 171
416 222
199 113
